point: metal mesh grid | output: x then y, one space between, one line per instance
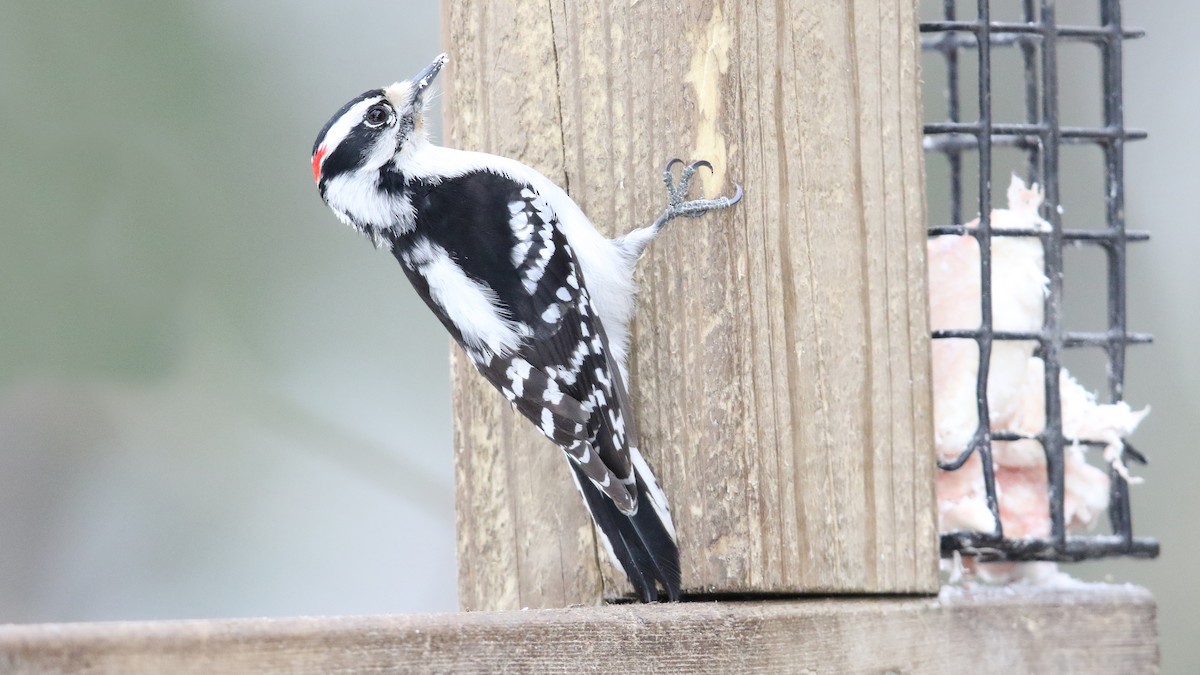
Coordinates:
1039 136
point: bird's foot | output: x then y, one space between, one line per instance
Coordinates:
677 202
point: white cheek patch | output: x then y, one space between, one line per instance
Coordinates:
357 200
381 151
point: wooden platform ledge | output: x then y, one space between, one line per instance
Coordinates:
1092 629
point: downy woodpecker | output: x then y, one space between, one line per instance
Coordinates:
539 300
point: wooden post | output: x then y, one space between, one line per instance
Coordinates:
781 353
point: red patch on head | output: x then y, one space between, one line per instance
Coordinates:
317 157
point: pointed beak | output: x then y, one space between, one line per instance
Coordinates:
425 78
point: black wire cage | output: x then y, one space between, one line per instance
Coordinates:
1036 37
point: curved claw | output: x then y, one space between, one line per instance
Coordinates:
672 164
737 195
701 163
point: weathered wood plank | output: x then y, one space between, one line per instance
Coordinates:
523 536
781 356
1095 630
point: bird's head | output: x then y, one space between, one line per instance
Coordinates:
378 130
373 129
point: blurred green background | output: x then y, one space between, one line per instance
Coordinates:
217 401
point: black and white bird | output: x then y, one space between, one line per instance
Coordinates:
539 300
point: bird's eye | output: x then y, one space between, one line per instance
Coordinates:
377 115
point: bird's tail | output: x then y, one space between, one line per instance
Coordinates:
642 543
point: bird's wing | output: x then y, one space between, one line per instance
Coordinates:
562 377
559 373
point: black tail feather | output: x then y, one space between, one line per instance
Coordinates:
641 543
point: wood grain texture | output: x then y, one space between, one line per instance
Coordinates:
780 367
1096 630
